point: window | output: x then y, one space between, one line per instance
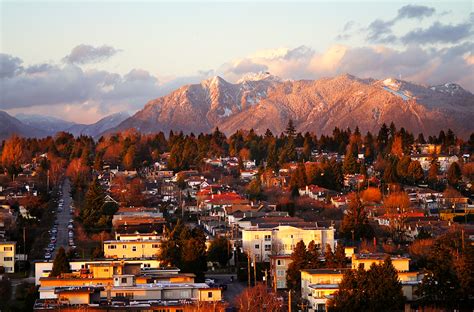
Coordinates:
134 248
257 246
268 247
155 246
268 238
7 248
124 246
7 259
119 294
106 270
209 294
146 265
112 247
124 280
280 273
278 262
129 295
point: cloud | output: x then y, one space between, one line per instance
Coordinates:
86 54
439 33
415 11
413 63
69 85
246 66
381 31
281 62
9 65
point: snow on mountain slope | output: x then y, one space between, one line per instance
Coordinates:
48 124
261 101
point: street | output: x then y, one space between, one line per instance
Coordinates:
63 216
234 288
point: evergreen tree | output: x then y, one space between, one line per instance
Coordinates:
272 157
60 264
255 190
402 167
92 209
448 281
313 255
355 224
433 173
377 289
350 162
299 261
219 251
421 139
389 173
382 138
298 179
290 128
186 249
415 172
384 289
329 259
454 174
307 147
340 256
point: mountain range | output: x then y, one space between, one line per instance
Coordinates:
263 101
32 125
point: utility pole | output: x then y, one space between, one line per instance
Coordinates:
275 279
24 240
289 300
254 271
266 280
248 269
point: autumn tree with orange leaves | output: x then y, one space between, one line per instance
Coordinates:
80 174
258 298
371 194
13 155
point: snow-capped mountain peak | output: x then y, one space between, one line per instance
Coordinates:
449 88
258 77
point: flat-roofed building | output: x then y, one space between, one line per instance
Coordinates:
276 239
401 264
119 249
7 256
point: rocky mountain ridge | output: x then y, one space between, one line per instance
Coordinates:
265 101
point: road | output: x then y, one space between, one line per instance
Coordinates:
234 288
63 218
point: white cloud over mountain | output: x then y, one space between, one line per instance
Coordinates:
439 53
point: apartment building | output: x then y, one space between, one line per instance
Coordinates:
130 292
278 267
319 285
43 268
7 256
273 239
131 249
401 264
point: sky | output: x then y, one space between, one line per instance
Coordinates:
81 61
